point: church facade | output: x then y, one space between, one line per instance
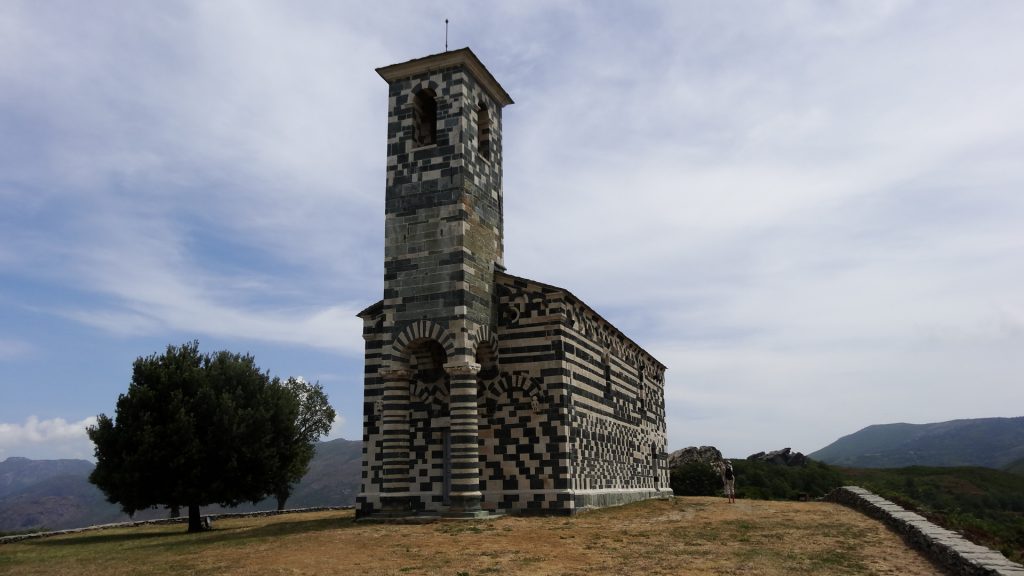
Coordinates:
485 392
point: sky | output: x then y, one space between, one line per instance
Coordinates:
811 212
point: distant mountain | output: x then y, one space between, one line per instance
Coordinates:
988 442
334 476
55 503
1015 467
56 494
16 474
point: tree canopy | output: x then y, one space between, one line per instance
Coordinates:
314 419
199 429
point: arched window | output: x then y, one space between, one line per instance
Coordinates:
483 131
424 113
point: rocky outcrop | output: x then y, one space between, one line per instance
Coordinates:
706 454
784 457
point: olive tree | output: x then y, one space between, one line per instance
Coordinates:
196 429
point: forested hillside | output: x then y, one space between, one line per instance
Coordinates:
988 442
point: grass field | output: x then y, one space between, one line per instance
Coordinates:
696 535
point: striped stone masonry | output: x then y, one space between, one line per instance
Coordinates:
394 444
944 547
485 392
464 445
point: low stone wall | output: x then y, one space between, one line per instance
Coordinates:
944 547
178 520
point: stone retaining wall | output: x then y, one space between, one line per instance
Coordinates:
944 547
178 520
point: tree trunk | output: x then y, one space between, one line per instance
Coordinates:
195 523
282 497
175 511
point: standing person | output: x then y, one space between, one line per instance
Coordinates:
729 480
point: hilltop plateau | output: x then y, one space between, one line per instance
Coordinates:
695 535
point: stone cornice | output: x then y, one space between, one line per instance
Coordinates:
462 368
462 57
395 373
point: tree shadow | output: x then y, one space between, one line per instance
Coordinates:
276 530
183 539
85 538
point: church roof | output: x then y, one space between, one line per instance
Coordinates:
372 310
572 297
460 57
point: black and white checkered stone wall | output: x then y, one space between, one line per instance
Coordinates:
601 394
569 411
573 416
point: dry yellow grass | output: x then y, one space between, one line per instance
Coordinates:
681 536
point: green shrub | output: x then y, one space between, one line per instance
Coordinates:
695 479
765 481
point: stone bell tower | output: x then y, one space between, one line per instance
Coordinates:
443 228
443 244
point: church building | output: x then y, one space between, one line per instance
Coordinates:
487 392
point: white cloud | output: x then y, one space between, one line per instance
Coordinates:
12 349
209 153
795 205
338 429
770 392
333 328
803 209
46 439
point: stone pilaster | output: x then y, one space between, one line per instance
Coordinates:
465 450
395 440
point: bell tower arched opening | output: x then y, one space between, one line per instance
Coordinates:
483 131
424 111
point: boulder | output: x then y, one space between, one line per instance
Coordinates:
784 457
706 454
